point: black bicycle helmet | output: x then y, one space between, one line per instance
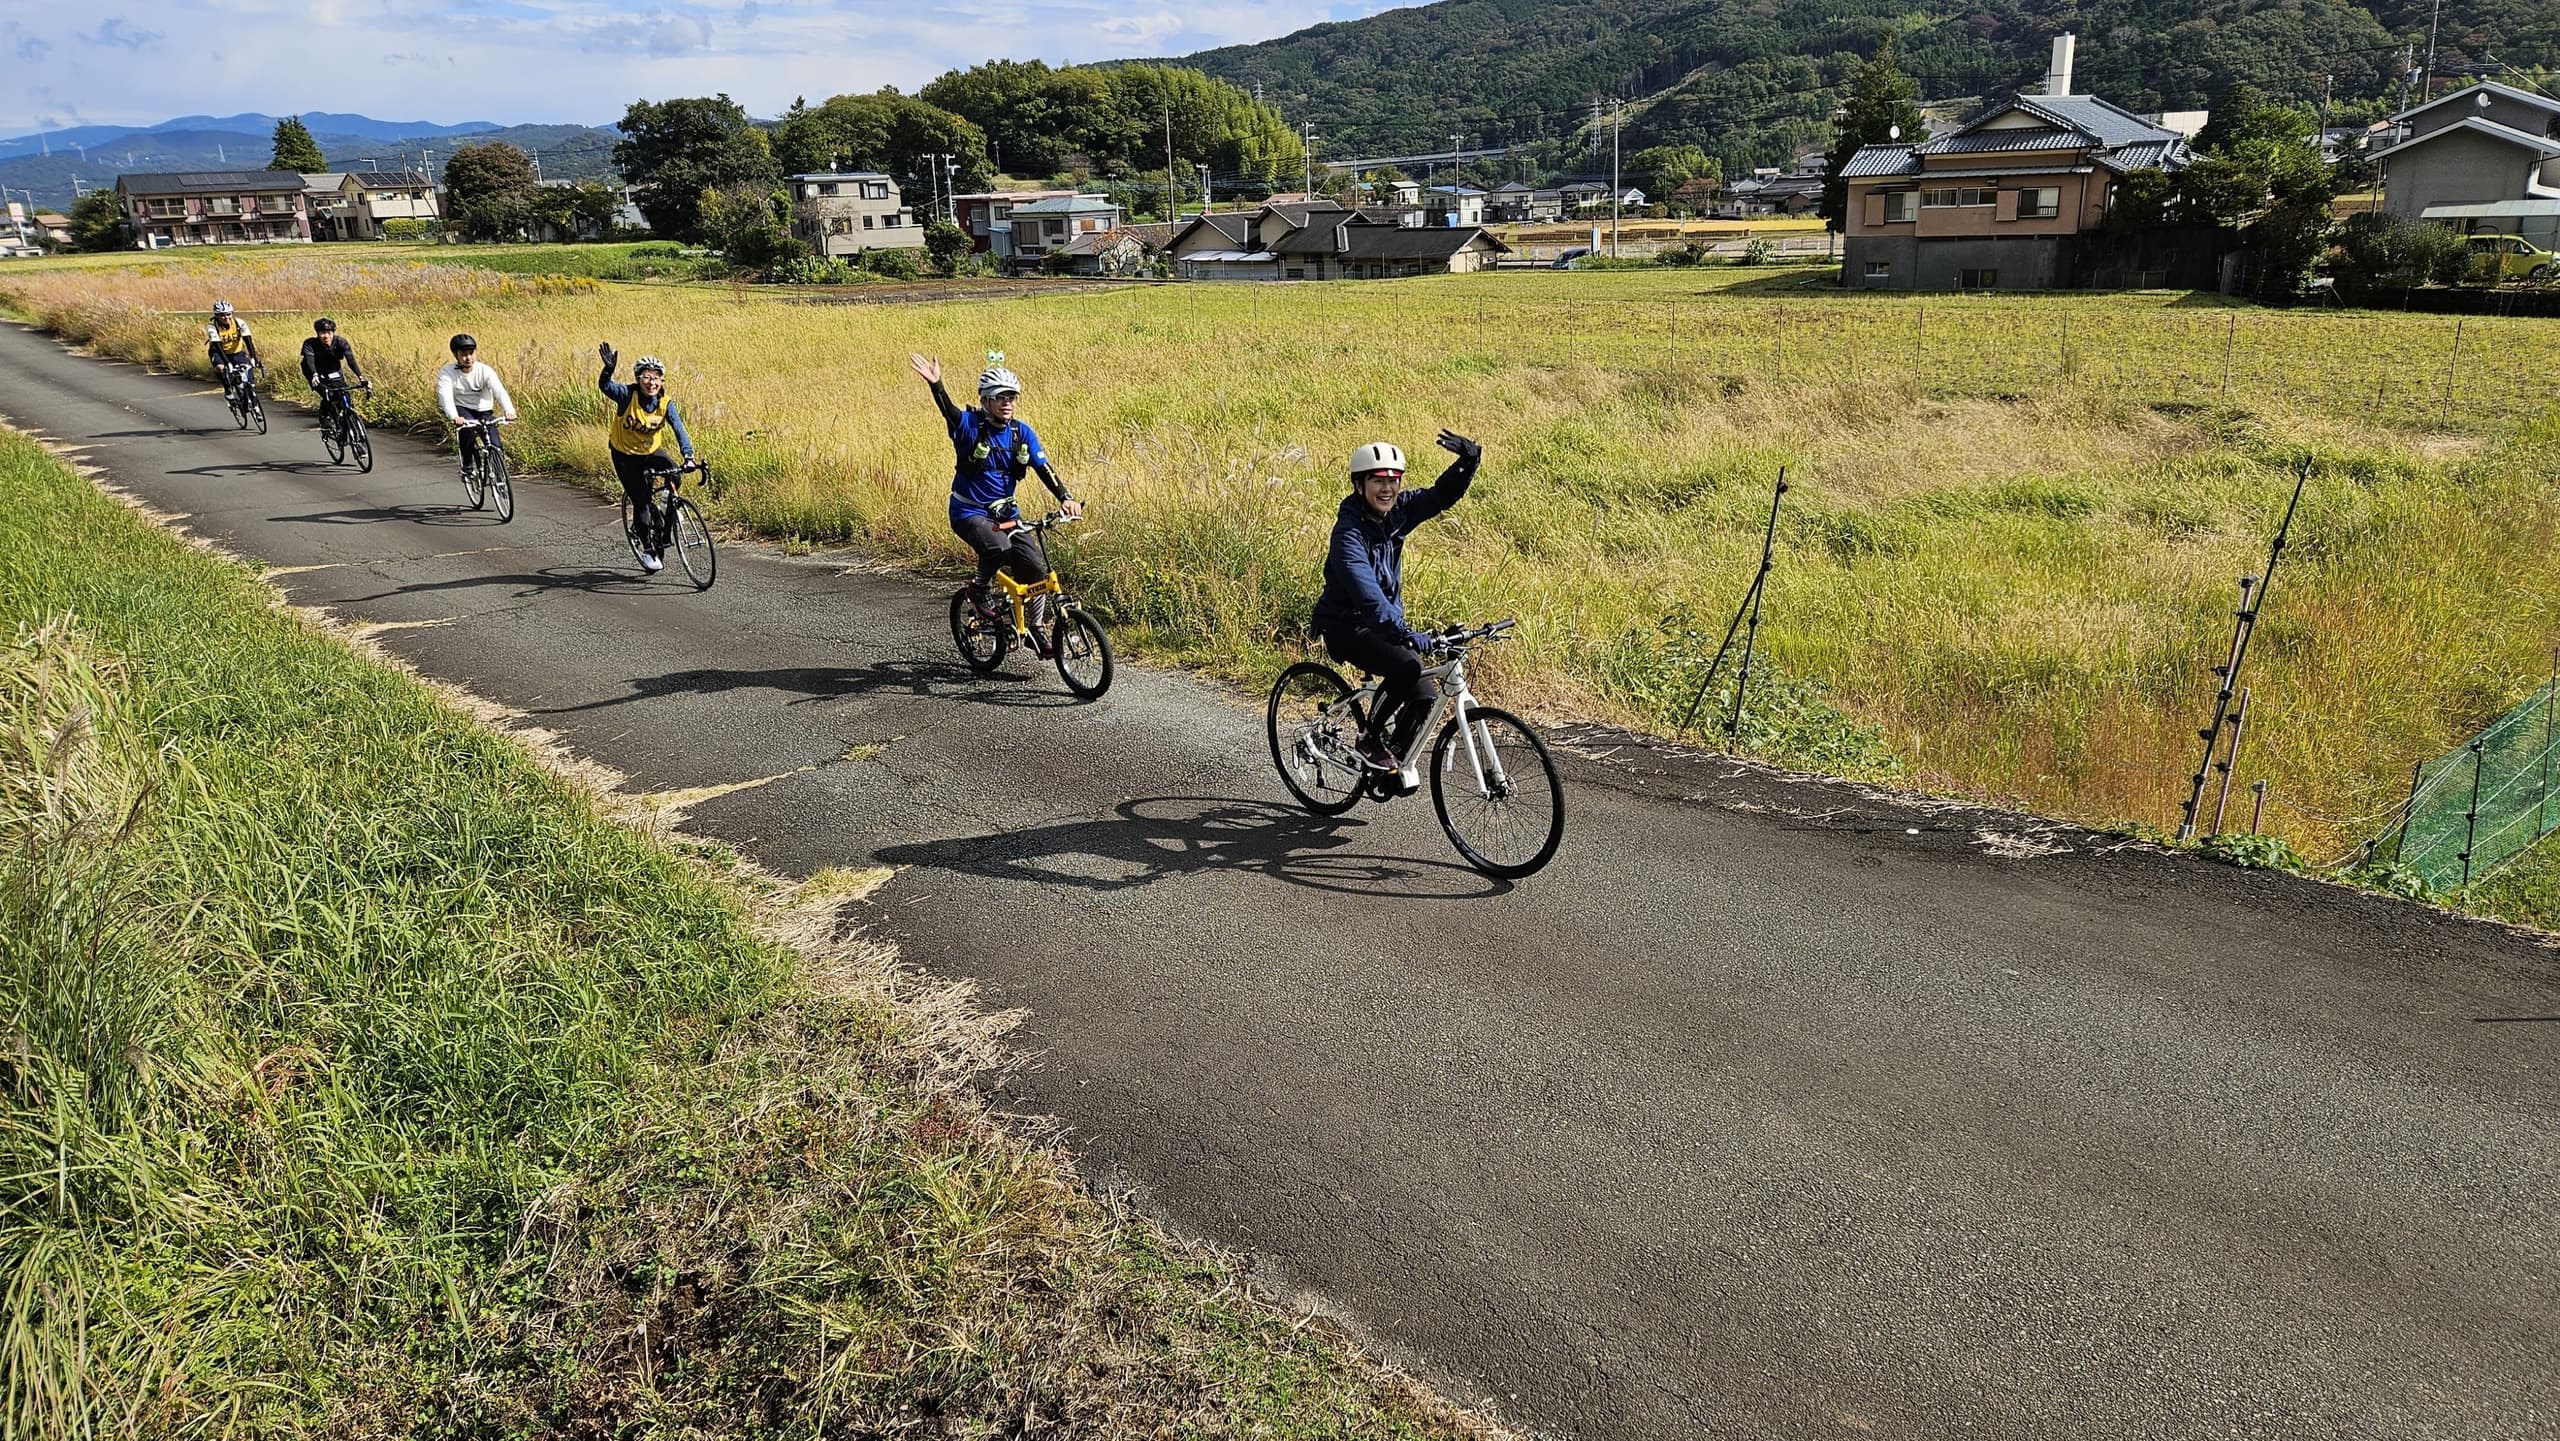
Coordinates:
463 342
323 326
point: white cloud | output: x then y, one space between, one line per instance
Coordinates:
508 60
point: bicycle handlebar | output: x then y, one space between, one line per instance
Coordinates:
1459 637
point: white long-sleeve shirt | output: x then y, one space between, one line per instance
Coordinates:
479 389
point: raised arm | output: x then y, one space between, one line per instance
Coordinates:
1422 505
931 370
618 394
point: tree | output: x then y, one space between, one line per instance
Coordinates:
295 149
744 223
98 223
580 211
897 135
947 244
1660 170
489 191
1025 112
1882 100
674 150
2259 174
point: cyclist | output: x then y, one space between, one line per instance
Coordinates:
468 388
637 440
1361 613
993 451
229 345
326 357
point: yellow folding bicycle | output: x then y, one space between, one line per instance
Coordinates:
985 632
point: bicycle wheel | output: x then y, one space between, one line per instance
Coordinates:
330 438
1083 653
501 489
983 639
258 410
1314 725
475 480
359 444
1503 807
239 408
694 551
631 531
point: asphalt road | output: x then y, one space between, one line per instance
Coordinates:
1773 1108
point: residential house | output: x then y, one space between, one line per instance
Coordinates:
55 224
381 196
1582 197
1508 203
2485 158
1402 193
988 217
1046 225
1695 197
1742 198
843 213
215 207
1998 203
1323 240
331 215
1798 192
1122 251
1458 205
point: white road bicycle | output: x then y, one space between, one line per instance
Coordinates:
1492 781
484 475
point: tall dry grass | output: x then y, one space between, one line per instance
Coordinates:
2005 567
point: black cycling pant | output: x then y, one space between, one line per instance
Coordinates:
639 476
1015 551
1387 653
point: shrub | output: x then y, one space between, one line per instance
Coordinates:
1687 252
898 264
407 227
811 270
948 245
1760 251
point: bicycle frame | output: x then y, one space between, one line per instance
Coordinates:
1020 596
1450 696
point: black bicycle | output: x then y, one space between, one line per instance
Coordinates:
240 389
681 523
341 426
484 476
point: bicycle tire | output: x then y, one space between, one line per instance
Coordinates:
1298 698
983 641
1082 652
359 444
258 411
239 409
475 482
1445 753
332 439
502 489
694 549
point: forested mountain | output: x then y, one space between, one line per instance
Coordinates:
1753 80
568 152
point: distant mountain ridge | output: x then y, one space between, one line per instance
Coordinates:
566 152
358 127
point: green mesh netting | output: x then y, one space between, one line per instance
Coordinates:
2480 803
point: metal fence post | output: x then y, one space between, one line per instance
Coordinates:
2452 362
2408 812
2230 761
2258 811
2542 802
2471 817
2229 338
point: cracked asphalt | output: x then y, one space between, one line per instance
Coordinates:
1774 1108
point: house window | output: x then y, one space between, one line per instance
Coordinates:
1902 207
866 222
1879 270
168 209
222 205
829 190
2040 204
872 191
892 222
1963 195
1297 272
1977 279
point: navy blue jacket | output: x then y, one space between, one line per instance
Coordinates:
1364 566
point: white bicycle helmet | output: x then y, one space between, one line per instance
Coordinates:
1376 456
648 362
221 308
998 381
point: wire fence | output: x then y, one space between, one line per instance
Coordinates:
2478 805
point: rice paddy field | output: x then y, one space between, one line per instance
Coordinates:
2005 567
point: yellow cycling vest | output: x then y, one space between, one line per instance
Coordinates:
636 431
229 335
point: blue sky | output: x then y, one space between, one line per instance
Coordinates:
558 60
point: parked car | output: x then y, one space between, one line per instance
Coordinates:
2510 257
1566 260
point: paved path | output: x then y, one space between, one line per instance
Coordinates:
1772 1109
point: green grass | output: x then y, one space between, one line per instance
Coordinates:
362 1078
643 260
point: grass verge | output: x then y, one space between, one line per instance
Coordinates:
364 1077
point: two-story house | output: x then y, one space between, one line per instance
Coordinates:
1324 240
1997 204
1052 224
988 217
841 213
1453 205
2485 158
353 204
215 207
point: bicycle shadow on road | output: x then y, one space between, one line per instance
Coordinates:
412 512
165 432
528 583
816 685
1158 838
259 467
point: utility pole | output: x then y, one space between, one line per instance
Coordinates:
1307 141
2427 82
1617 117
951 191
1169 204
1204 188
